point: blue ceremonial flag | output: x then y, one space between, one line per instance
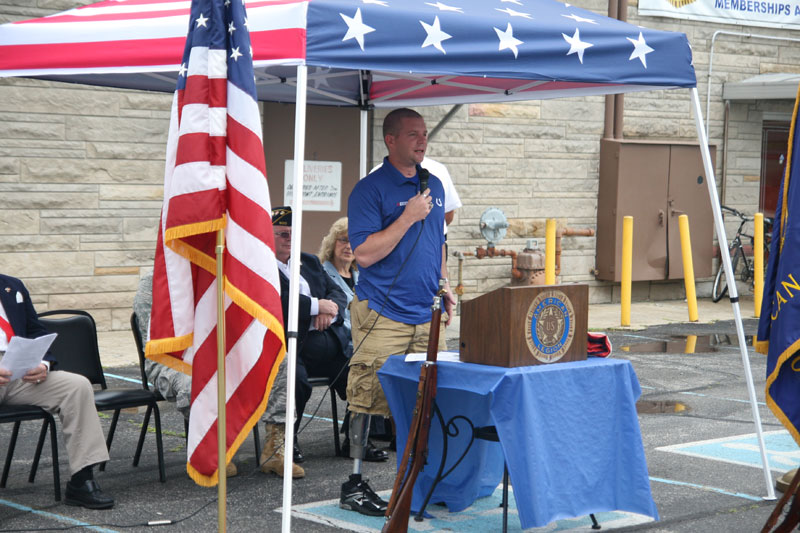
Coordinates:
779 326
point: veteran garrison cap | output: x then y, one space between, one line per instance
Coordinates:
282 216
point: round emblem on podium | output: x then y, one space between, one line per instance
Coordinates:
550 326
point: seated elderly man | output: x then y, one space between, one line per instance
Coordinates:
176 387
322 337
69 395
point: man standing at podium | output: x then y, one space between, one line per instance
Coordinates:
396 220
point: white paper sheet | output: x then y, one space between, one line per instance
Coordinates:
443 356
23 354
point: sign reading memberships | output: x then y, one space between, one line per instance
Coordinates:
550 326
768 13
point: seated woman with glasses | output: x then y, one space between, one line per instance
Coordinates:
339 262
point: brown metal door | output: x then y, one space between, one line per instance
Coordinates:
688 194
774 144
644 171
332 134
633 182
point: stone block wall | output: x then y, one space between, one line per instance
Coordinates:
81 169
81 174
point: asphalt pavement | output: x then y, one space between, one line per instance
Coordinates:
696 423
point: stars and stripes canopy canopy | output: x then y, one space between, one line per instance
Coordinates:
384 53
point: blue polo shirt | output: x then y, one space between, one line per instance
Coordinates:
376 202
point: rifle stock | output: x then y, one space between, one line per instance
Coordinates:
416 449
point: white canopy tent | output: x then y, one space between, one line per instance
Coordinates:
378 53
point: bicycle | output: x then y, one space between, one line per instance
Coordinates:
743 268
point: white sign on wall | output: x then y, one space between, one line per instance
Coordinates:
322 185
768 13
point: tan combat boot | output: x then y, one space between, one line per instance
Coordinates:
272 454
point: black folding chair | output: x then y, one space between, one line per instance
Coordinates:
17 414
76 350
325 382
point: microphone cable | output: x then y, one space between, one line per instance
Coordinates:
423 174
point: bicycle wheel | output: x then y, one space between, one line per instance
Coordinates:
745 271
720 287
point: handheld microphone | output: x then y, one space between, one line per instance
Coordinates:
423 178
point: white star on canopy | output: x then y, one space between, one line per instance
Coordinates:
182 70
356 29
376 2
511 2
511 12
435 35
576 46
576 18
236 54
507 39
444 7
231 28
201 21
640 49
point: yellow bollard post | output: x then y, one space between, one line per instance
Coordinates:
688 267
691 344
627 270
550 252
758 262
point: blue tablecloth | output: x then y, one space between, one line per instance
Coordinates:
568 432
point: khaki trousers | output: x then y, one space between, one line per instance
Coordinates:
71 397
387 337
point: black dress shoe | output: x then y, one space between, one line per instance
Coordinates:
88 495
372 454
297 454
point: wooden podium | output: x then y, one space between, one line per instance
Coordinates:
528 325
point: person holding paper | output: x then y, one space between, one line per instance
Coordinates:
68 395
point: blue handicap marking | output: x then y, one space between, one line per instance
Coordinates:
782 451
485 514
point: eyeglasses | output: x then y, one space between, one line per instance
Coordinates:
284 234
343 240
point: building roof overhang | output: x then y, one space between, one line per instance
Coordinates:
775 86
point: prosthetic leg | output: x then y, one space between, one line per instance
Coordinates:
359 433
356 494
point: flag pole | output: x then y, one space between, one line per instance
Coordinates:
222 486
732 292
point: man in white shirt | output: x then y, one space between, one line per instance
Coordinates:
451 198
69 395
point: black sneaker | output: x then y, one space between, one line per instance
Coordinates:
358 496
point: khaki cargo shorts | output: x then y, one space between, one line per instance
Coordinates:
364 391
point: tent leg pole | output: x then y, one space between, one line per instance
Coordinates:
732 291
362 145
294 290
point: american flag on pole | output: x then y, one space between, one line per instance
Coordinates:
215 178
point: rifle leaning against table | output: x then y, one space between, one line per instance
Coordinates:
416 450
